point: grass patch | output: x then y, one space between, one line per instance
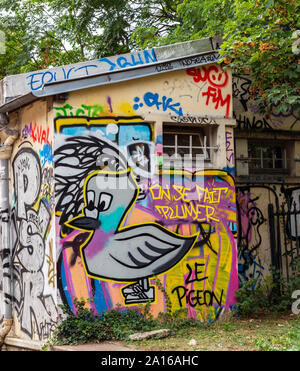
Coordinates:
267 333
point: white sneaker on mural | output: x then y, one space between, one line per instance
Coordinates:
136 294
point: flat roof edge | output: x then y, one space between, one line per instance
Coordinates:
17 103
21 89
65 86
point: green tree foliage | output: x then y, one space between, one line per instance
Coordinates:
258 36
44 33
47 33
157 22
258 40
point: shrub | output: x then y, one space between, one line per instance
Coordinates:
272 294
85 326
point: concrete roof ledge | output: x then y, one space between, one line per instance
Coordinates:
186 48
19 90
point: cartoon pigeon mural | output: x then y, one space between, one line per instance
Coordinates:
103 195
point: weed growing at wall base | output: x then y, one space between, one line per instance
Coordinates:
272 294
291 342
116 324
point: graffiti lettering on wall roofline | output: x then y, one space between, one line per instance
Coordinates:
167 66
199 60
217 79
37 133
160 103
131 60
36 80
148 57
189 119
188 62
252 122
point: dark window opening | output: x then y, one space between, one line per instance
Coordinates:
267 157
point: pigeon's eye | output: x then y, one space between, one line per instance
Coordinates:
90 200
104 201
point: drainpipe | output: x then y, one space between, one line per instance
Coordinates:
5 154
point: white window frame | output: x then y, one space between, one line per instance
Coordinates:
176 161
204 147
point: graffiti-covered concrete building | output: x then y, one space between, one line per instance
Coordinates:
117 180
118 185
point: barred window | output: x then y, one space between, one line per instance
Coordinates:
187 142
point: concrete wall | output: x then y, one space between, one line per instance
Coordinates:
88 142
255 237
32 224
247 113
167 236
256 191
141 225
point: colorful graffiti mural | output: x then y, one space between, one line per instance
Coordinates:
259 188
1 288
251 221
292 195
256 244
121 225
31 220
